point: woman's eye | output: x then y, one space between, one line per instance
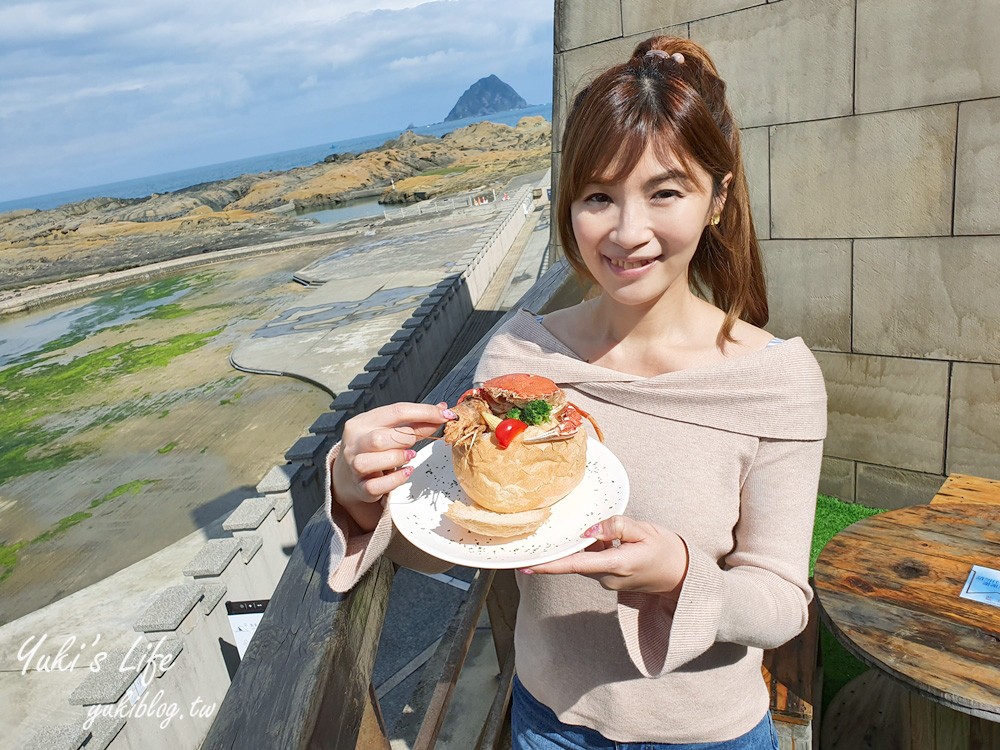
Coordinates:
597 198
666 194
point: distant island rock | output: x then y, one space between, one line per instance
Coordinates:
484 97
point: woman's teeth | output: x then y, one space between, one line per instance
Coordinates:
627 264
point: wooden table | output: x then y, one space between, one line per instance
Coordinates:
888 588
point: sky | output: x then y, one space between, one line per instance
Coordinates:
97 91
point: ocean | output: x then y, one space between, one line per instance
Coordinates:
276 162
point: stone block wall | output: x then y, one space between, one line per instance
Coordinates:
871 131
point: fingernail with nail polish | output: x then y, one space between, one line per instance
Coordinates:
593 530
408 470
526 571
411 454
449 414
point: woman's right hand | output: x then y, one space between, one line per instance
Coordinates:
374 446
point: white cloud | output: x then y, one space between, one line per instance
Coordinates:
436 59
268 73
61 93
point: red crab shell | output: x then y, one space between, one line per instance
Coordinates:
518 389
520 385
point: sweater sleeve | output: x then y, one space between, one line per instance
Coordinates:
758 594
352 551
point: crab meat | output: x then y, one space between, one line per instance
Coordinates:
469 423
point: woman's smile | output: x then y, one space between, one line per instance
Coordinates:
637 235
630 267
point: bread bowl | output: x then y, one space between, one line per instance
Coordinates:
518 446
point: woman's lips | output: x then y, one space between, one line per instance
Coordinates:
624 266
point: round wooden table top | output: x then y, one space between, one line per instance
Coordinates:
888 587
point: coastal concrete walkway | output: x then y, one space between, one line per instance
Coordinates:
378 284
364 294
29 298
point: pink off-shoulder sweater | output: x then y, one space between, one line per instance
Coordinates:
727 456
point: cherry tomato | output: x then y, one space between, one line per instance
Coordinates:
509 429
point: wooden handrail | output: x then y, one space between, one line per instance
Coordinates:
498 591
434 692
304 680
495 727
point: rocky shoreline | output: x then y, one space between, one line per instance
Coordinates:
110 234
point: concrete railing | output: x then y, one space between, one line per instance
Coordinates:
406 363
184 652
315 689
190 653
432 207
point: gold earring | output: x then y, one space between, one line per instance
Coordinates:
716 219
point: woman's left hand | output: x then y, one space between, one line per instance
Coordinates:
646 557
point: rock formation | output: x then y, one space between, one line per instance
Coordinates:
104 234
484 97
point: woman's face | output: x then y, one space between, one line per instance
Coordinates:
637 236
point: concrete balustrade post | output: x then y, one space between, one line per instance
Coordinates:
222 561
254 520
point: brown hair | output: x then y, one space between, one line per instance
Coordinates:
678 107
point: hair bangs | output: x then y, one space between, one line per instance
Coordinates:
632 123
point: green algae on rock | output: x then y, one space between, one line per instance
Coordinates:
38 388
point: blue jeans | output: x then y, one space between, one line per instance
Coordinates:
535 727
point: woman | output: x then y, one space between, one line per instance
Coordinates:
654 633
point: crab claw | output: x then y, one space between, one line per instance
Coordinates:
474 391
570 420
549 436
593 422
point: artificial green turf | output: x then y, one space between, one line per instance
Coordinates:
839 667
832 516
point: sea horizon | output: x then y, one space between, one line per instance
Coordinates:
279 161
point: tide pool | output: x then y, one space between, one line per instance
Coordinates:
358 209
33 333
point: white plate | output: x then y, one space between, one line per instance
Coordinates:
417 509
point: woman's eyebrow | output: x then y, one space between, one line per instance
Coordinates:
668 176
673 173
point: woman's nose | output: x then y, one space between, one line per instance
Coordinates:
632 227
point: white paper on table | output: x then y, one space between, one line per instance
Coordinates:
982 585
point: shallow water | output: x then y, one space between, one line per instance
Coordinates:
124 427
358 209
33 332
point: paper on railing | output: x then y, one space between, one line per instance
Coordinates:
982 585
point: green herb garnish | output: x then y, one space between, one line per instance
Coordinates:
533 413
